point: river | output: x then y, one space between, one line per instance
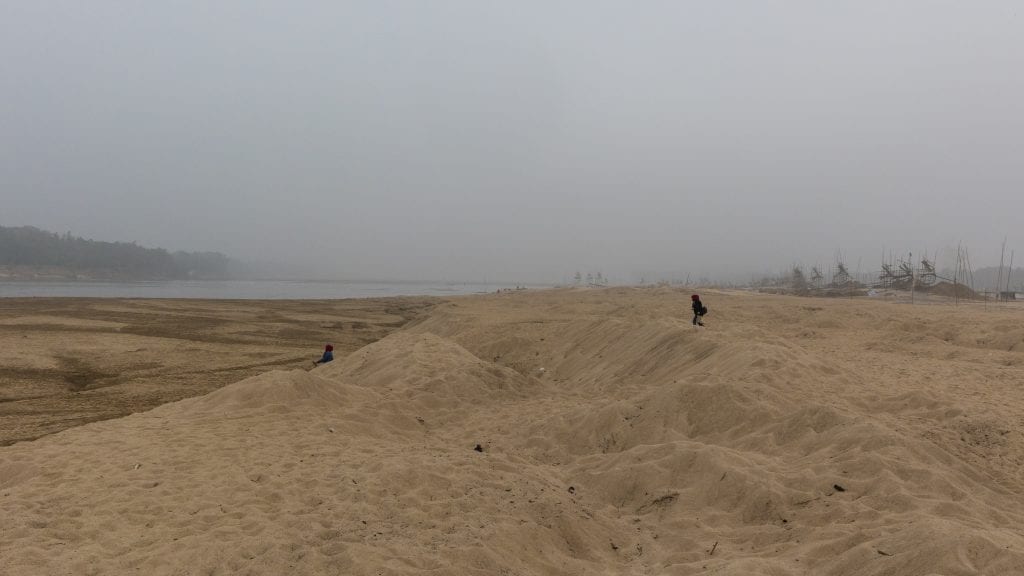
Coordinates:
241 289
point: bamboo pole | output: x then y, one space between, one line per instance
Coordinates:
956 276
1009 273
970 269
999 279
913 277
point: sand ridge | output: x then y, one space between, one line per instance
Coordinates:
565 432
68 361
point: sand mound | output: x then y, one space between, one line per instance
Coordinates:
413 366
789 439
276 390
952 290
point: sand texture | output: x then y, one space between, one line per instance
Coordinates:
565 432
68 361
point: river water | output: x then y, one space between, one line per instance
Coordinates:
242 289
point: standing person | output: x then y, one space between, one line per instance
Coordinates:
699 310
327 357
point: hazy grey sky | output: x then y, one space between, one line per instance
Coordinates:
517 140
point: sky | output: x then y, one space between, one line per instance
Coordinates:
519 141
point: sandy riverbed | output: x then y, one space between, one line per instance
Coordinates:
68 361
562 432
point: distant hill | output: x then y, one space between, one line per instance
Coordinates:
28 252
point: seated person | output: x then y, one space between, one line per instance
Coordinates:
327 357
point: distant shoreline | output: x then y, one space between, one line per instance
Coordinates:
60 274
242 289
64 274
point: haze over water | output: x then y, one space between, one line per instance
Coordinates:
518 141
241 289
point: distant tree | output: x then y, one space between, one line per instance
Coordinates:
29 246
799 281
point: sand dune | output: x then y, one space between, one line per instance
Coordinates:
565 432
65 362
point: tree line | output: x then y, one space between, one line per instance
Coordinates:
31 247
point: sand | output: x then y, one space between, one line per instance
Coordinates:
565 432
68 361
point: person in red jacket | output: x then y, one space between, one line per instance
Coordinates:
327 357
699 310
